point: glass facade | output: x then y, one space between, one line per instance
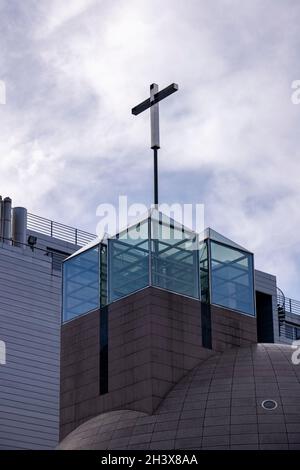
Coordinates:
159 252
232 278
174 258
81 284
128 261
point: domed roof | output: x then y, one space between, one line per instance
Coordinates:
244 398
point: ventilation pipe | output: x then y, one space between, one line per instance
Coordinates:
1 218
19 226
7 220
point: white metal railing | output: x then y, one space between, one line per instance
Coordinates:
288 305
58 230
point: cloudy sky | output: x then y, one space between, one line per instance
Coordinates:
230 135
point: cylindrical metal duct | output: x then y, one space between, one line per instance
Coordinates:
7 220
19 226
1 218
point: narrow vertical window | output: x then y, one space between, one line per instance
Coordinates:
103 350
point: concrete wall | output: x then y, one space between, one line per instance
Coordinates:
30 292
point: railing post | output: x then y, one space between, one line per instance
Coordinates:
51 228
75 236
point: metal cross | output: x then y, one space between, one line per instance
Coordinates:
152 103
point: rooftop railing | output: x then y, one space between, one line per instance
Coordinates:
288 305
58 230
289 327
292 306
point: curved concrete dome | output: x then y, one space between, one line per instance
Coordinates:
218 405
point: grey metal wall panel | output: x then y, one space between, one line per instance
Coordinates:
30 304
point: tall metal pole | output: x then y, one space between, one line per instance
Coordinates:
155 178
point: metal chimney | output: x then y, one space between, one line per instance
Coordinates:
1 218
7 220
19 226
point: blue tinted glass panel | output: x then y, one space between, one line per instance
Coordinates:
232 278
174 258
128 261
81 284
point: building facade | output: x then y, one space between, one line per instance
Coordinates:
31 252
167 342
140 313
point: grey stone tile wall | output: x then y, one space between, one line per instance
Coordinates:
216 406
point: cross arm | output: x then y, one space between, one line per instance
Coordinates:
141 107
157 97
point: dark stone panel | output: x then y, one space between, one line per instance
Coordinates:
274 438
215 441
244 439
231 328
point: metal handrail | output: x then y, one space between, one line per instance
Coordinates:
280 298
287 327
57 230
292 306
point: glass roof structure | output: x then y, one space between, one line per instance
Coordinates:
158 251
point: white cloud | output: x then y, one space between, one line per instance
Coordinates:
74 72
59 13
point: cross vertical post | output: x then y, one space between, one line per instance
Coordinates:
154 118
152 103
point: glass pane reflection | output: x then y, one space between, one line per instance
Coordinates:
81 284
174 258
128 261
232 278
